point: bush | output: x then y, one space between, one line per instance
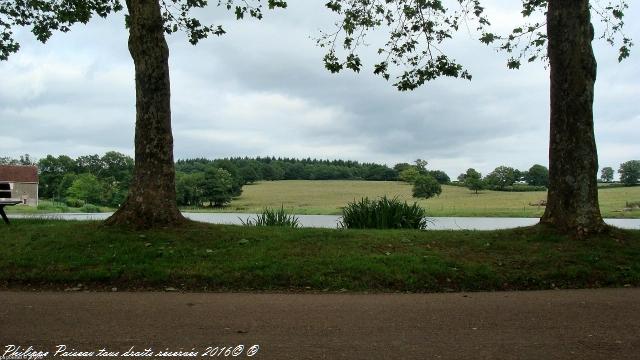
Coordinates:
273 217
519 188
633 204
383 213
89 208
73 202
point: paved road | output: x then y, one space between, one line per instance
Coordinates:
581 324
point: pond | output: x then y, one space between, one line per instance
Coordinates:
331 221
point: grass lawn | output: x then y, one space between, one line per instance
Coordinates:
327 197
60 254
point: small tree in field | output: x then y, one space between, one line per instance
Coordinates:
475 184
606 174
426 187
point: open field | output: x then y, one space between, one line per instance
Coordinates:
327 197
60 254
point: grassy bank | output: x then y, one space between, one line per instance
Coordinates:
328 197
48 206
58 254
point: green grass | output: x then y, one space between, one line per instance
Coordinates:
328 197
58 254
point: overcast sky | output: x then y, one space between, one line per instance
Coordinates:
262 90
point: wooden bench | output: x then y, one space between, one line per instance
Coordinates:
6 200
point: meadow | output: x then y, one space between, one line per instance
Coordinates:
329 196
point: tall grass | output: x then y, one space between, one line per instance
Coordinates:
383 213
273 217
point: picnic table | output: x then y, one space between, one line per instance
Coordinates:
3 203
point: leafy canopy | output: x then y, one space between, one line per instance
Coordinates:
419 29
44 17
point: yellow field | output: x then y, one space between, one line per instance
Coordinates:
327 197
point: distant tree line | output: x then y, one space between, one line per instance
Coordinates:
272 168
505 178
104 180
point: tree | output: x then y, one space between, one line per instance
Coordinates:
217 186
51 172
501 177
64 185
117 166
470 173
190 188
88 188
537 175
440 176
400 167
409 175
426 187
606 174
417 30
473 180
421 166
475 184
151 200
249 174
629 172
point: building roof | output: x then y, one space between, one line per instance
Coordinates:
18 173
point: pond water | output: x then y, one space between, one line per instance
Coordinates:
331 221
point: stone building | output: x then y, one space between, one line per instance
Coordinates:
23 181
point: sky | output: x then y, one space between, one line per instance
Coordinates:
262 90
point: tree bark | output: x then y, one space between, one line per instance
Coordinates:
151 200
572 203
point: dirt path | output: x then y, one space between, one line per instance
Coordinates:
580 324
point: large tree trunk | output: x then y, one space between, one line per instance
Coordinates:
572 204
152 196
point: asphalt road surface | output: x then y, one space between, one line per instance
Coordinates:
563 324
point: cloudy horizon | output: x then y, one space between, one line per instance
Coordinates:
262 90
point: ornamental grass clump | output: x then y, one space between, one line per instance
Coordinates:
383 213
273 217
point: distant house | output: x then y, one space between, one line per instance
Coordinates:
23 181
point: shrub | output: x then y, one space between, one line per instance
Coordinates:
383 213
273 217
519 188
425 186
633 204
73 202
90 208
